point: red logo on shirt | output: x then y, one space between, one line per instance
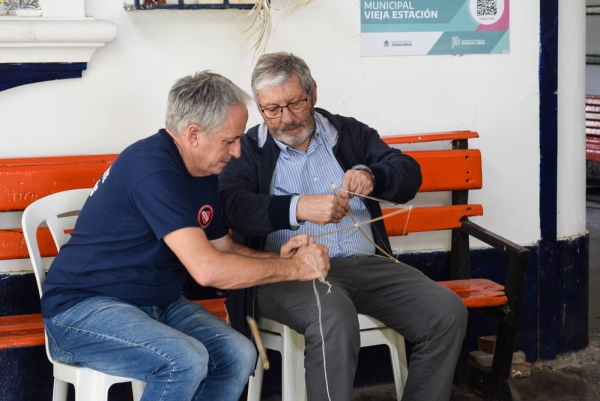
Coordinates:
205 215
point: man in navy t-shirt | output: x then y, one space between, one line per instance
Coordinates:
112 298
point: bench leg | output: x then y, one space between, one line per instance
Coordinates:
500 383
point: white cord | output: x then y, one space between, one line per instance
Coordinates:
311 262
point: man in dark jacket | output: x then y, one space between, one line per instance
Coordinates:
285 182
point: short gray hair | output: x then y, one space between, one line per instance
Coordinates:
204 98
275 68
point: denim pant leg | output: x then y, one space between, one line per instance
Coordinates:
117 338
231 356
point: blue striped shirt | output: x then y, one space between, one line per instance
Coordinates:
311 172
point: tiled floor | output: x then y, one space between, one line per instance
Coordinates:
572 377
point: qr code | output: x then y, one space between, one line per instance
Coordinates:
487 7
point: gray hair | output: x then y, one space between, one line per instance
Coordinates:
275 68
204 99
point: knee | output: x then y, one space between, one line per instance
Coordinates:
453 316
242 355
190 362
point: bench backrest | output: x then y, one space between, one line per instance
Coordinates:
25 180
457 170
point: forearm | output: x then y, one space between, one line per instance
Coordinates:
235 271
212 264
249 252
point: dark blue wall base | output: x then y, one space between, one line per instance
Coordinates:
18 295
17 74
26 375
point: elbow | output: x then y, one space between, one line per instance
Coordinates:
205 280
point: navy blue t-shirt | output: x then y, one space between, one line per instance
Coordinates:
116 248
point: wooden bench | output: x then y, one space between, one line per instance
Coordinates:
22 181
459 170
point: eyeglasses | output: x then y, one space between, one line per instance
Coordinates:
294 107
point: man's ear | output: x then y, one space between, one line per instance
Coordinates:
192 133
314 95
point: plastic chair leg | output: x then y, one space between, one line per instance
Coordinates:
292 370
255 382
91 386
137 388
398 358
60 391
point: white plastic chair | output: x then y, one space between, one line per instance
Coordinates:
290 344
59 211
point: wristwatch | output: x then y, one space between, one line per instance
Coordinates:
362 167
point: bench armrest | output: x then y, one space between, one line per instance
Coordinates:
518 260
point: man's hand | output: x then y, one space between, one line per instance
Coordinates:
357 181
312 261
290 248
322 209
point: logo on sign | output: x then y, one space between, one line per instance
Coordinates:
205 215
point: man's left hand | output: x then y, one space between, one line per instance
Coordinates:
357 181
290 248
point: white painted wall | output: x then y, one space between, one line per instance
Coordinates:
571 118
122 96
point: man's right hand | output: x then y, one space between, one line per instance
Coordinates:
322 209
310 257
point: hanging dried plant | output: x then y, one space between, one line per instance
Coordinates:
294 6
262 19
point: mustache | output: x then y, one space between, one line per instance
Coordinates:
291 125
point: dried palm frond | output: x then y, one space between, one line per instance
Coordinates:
294 6
262 19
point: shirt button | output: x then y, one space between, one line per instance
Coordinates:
315 179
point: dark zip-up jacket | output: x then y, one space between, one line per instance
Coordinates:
253 213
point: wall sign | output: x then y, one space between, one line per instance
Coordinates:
420 27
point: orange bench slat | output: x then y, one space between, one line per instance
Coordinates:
430 137
477 293
21 338
428 218
12 244
448 170
25 180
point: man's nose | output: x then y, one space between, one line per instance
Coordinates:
235 149
287 116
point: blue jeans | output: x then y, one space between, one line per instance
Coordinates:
182 351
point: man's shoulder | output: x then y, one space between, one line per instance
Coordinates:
341 123
155 151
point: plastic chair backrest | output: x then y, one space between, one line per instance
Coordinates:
58 212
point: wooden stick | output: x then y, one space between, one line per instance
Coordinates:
259 344
335 189
382 217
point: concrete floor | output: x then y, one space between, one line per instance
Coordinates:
571 377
